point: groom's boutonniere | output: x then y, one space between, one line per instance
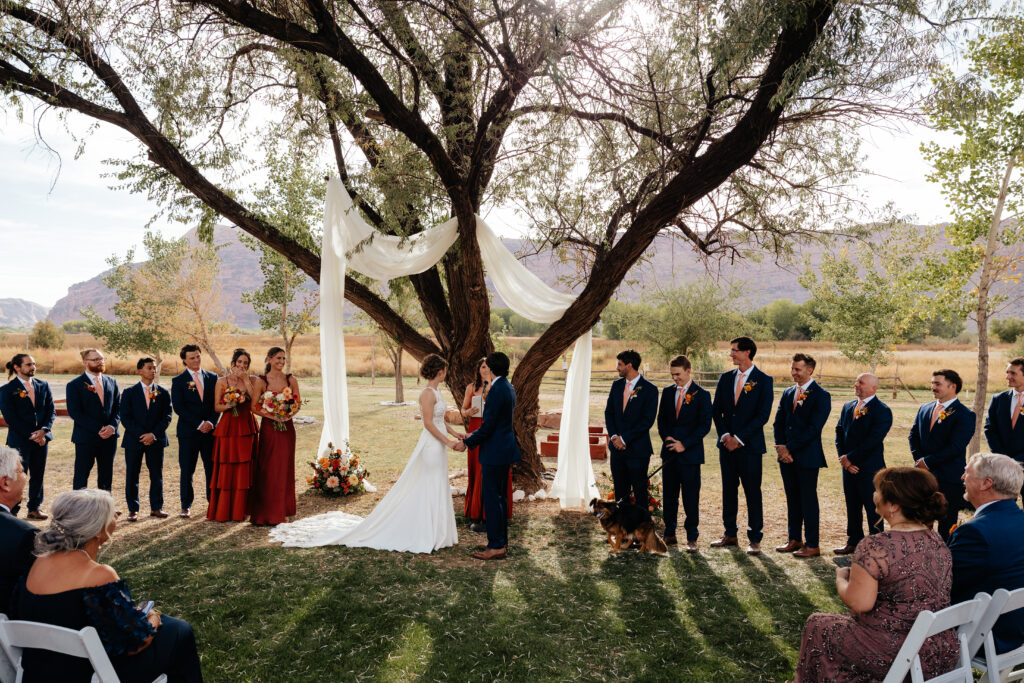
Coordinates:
944 414
748 387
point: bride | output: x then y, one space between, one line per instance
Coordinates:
416 515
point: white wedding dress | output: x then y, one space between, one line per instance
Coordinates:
415 516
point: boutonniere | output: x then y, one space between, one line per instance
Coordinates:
953 528
860 412
632 394
154 392
944 414
748 387
91 387
192 386
801 398
21 394
689 397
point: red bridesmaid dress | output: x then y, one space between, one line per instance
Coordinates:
273 493
234 450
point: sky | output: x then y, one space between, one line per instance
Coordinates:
60 221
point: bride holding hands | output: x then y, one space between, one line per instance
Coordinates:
417 514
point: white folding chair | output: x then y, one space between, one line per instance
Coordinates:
998 666
8 669
15 636
963 617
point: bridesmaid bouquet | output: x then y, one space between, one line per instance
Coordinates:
282 403
234 396
338 472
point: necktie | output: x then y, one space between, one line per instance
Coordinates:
1016 408
935 414
31 393
679 400
99 387
199 384
145 392
856 411
625 397
796 397
739 385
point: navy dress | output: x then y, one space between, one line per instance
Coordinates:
122 629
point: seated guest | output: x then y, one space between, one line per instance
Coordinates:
987 553
16 537
67 587
894 575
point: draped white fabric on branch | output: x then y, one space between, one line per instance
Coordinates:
384 257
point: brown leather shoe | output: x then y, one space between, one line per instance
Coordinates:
691 546
37 514
133 516
160 514
789 547
724 541
670 539
807 552
846 549
490 554
753 548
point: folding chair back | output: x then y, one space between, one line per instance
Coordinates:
963 617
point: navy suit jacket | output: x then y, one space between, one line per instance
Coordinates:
862 440
21 416
495 437
192 411
988 555
746 418
690 428
634 423
800 429
943 448
137 419
1000 436
17 538
89 415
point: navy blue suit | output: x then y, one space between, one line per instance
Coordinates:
138 419
90 416
633 424
744 419
192 443
988 555
1000 435
944 450
862 441
681 471
498 450
23 417
799 429
17 538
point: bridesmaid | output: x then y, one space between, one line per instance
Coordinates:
273 493
474 509
234 444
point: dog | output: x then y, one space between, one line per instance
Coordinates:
624 524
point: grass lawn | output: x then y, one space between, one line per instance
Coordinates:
560 607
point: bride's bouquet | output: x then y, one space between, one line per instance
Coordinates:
338 473
283 403
233 397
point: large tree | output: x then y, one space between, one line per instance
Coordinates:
729 124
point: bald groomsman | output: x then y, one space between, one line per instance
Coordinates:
860 445
938 442
1004 424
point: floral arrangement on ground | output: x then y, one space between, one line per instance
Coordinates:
338 473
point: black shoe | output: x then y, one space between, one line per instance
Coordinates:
478 527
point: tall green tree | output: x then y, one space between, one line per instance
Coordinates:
981 179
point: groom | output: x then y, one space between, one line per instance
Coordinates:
498 450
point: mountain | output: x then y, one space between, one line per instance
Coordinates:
20 313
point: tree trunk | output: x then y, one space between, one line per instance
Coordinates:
399 389
287 346
981 312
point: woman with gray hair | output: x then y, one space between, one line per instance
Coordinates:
67 587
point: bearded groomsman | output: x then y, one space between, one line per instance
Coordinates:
145 416
192 395
802 413
860 444
629 415
1004 424
741 408
94 405
684 419
27 406
938 442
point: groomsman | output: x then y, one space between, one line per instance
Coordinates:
145 416
684 419
192 395
1004 424
629 415
741 408
27 406
802 413
860 444
938 442
94 406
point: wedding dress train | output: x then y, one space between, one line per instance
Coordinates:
415 516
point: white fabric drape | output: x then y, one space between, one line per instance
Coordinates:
384 257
